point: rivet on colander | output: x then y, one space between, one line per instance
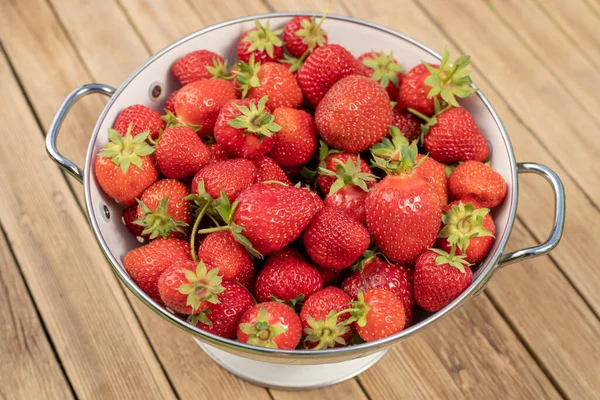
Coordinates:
156 90
106 211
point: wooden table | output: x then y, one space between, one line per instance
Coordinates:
69 330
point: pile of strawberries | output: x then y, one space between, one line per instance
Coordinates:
307 200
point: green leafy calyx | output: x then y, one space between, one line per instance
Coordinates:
451 259
395 156
263 38
348 173
451 80
219 69
202 286
261 333
462 223
326 333
385 68
255 119
171 121
124 151
311 33
157 223
247 75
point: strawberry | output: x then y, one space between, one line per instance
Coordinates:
335 240
349 191
268 170
379 273
196 66
128 218
475 181
390 149
163 210
125 167
145 264
231 176
425 82
180 152
330 159
188 287
270 216
330 276
288 279
261 42
383 68
433 172
378 313
354 114
296 143
141 119
470 227
197 105
322 69
408 126
272 324
440 278
452 136
221 250
217 152
245 128
403 209
302 34
270 79
170 103
323 322
222 318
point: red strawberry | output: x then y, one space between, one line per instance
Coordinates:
196 66
296 143
268 170
409 126
222 318
273 325
129 217
231 176
330 160
163 210
470 227
272 216
170 103
425 82
378 273
349 191
303 34
221 250
245 128
145 264
403 210
217 152
287 279
322 69
188 287
198 104
260 42
354 114
383 68
180 152
433 172
322 326
453 136
141 119
474 181
439 279
335 240
270 79
124 168
379 313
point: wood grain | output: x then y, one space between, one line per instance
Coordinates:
95 333
29 368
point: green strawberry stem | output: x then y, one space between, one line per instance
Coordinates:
194 231
212 230
420 115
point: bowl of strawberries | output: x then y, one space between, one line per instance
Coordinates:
301 189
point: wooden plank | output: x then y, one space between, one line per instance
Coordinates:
579 20
556 325
552 48
349 390
95 333
29 368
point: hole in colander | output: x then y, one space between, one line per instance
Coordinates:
155 91
105 212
